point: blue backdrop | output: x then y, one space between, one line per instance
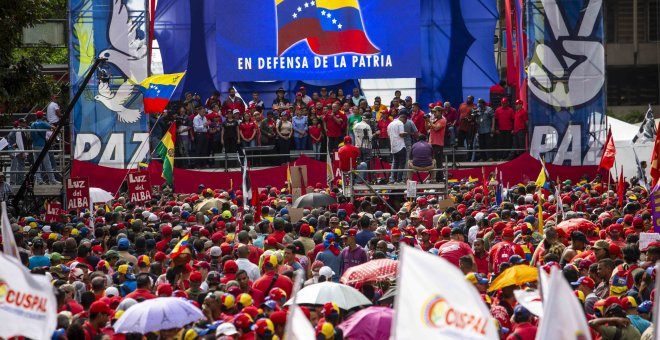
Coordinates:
456 45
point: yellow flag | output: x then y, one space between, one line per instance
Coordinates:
540 214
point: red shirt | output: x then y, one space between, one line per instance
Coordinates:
504 117
278 235
141 294
282 281
235 104
493 253
418 120
315 132
348 156
247 129
382 127
482 263
437 137
255 253
335 129
454 250
524 331
427 217
520 120
160 245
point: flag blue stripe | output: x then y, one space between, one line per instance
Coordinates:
348 17
159 91
286 9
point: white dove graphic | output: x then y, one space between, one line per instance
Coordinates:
115 101
128 54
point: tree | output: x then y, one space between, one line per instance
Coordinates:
22 84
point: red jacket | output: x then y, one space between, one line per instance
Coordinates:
420 123
141 294
231 105
348 157
264 283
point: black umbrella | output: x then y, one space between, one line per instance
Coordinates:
314 200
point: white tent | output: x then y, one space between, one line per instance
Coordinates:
623 133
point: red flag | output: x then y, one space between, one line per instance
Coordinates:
256 204
619 189
655 168
483 175
607 159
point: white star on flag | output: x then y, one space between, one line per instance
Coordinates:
299 9
339 26
313 3
322 12
334 21
295 15
306 4
329 15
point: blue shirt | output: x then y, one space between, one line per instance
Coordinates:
363 237
639 322
485 119
39 261
39 137
331 260
299 125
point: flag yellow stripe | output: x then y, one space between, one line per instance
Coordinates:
163 79
334 4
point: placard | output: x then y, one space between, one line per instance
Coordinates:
411 189
77 193
647 238
296 214
139 186
445 203
53 212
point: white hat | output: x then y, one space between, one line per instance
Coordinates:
153 218
111 291
46 229
327 272
215 251
226 328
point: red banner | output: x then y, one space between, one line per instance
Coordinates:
53 212
139 186
77 193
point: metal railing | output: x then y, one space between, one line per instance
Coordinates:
9 156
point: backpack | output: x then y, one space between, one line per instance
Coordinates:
503 253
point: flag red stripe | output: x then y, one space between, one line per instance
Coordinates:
155 105
295 32
655 168
327 43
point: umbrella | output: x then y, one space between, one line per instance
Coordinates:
157 314
98 195
318 294
575 223
375 270
208 204
370 323
314 200
514 276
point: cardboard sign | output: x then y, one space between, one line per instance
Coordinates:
646 238
77 193
299 181
53 212
445 203
296 214
411 189
139 186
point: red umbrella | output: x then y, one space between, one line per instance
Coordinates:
576 224
374 270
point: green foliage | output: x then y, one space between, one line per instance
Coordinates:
22 85
634 116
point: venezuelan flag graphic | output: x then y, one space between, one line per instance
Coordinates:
157 91
178 249
329 26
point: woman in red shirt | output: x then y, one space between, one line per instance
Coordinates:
248 131
383 123
316 132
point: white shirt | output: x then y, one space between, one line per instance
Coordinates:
358 130
393 130
252 269
51 112
198 124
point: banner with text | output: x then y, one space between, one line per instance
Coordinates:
139 186
317 39
53 212
655 208
109 127
566 77
77 193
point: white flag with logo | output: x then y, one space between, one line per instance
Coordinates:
566 318
8 242
27 303
434 301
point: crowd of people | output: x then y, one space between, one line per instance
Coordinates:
238 265
320 122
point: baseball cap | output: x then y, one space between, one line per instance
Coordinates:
143 260
520 312
585 281
628 302
516 259
645 307
123 243
216 251
326 271
226 328
100 307
601 244
475 278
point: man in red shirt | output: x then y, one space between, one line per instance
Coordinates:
524 328
270 279
167 237
455 248
233 103
437 139
519 129
502 251
143 291
99 314
335 123
348 155
504 125
418 119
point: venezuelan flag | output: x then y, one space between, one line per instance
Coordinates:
157 91
541 180
180 247
143 166
165 150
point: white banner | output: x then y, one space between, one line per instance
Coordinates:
434 301
27 303
566 316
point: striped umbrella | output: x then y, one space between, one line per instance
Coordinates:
374 270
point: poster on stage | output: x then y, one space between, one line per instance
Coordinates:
317 39
109 126
566 81
655 208
139 186
77 193
53 212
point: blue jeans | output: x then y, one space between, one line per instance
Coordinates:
44 167
249 144
17 164
317 150
398 163
301 142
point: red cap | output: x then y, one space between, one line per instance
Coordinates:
196 277
396 231
217 236
97 249
230 267
348 140
445 231
167 230
587 282
519 102
99 307
304 230
507 232
164 289
39 114
160 256
278 318
505 100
